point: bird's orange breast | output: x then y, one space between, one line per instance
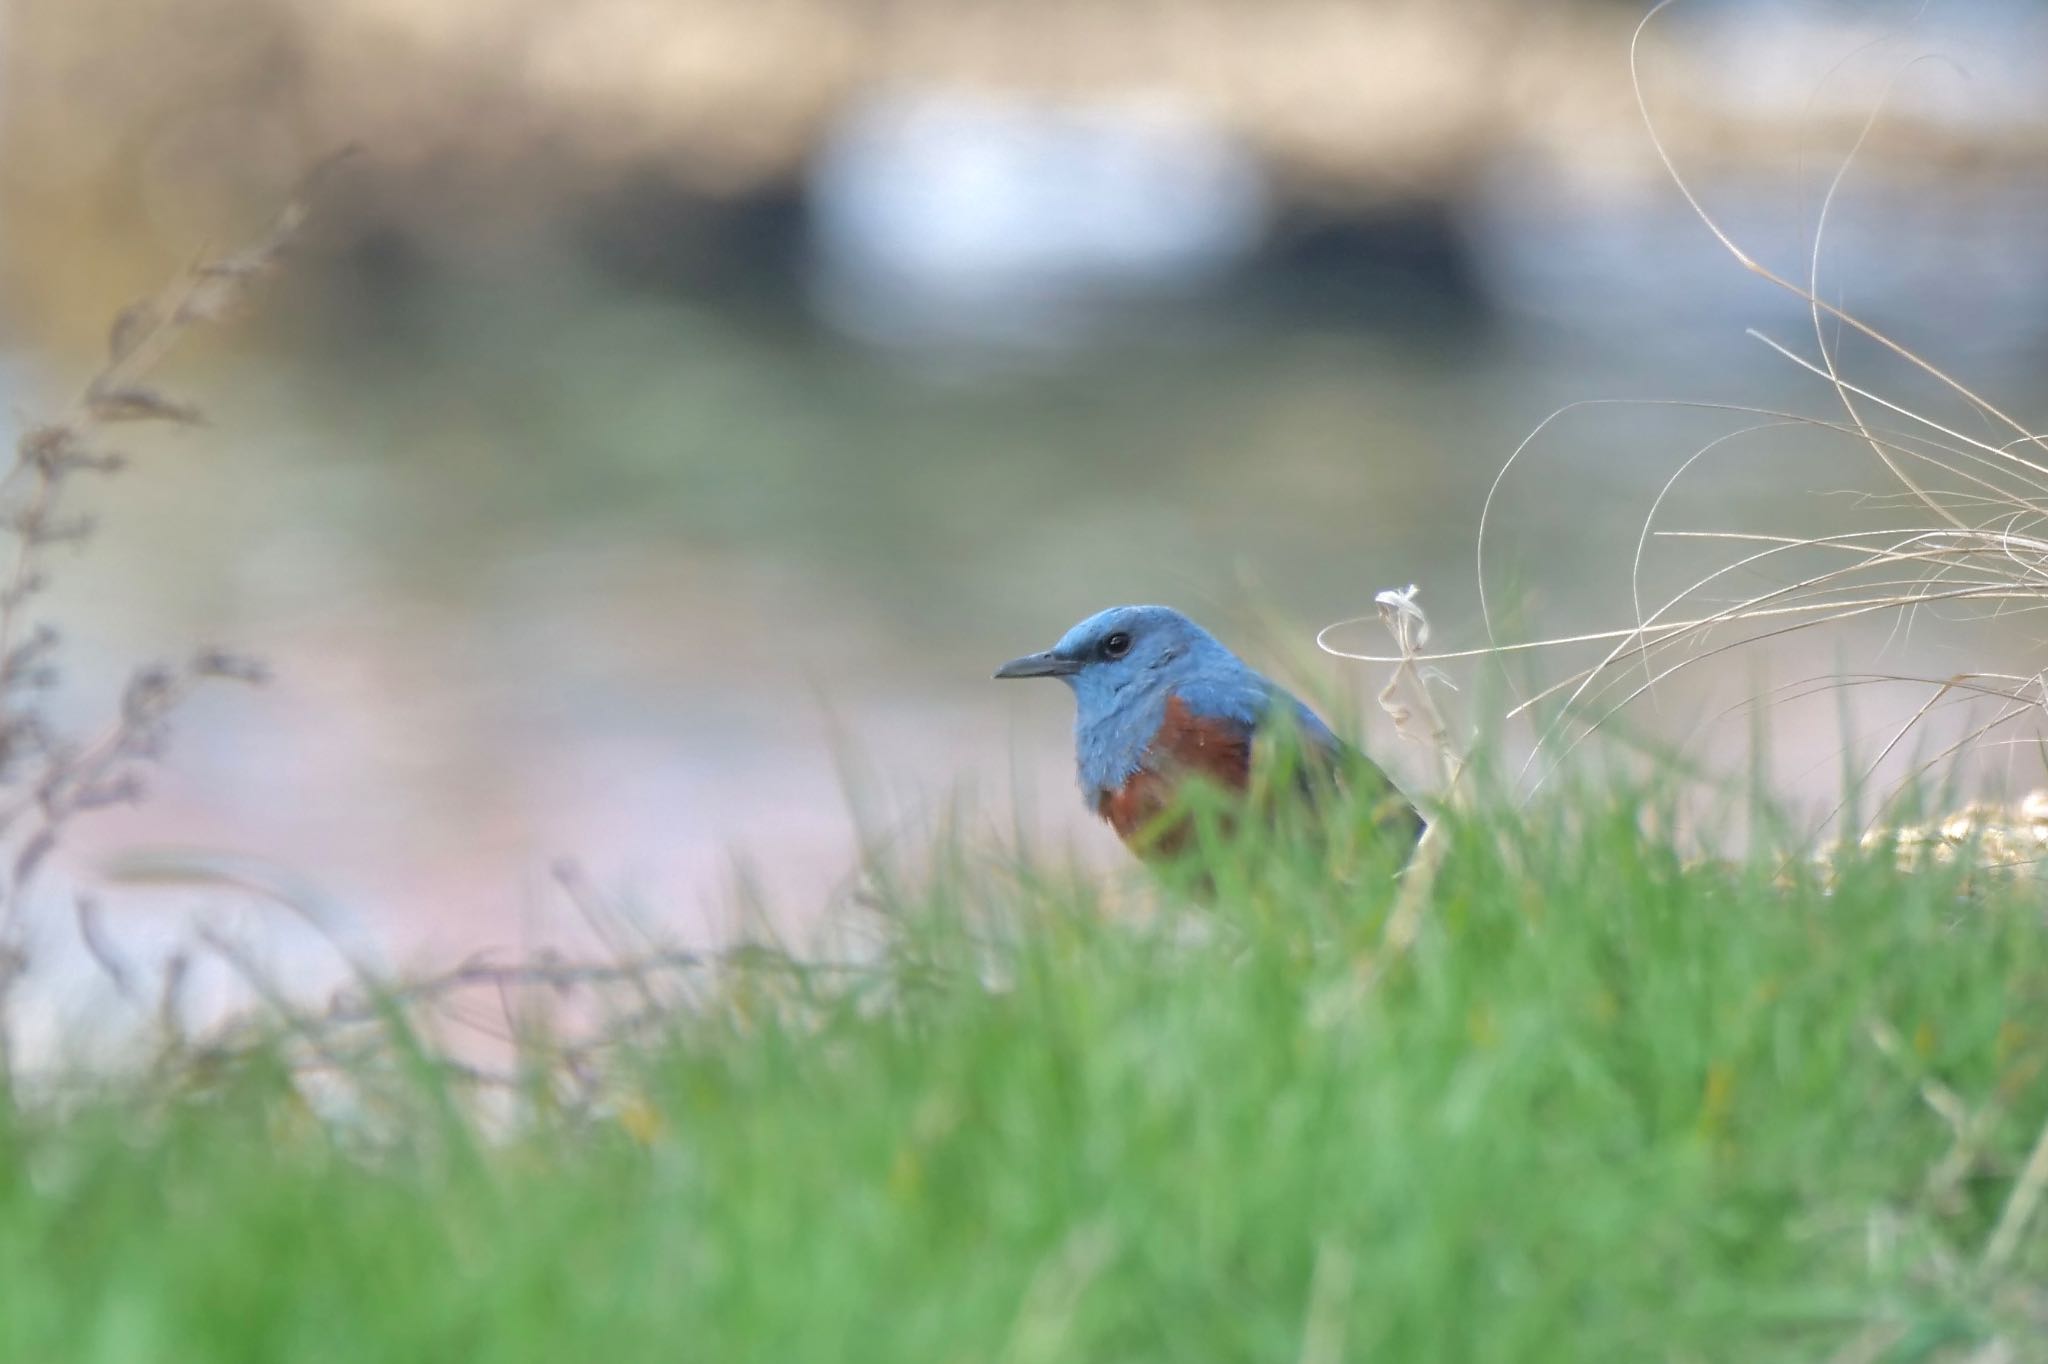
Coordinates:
1187 745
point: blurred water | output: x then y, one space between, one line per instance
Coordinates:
551 567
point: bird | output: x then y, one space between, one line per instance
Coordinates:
1159 700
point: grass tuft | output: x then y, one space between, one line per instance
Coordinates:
1604 1105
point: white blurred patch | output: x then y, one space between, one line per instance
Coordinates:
943 217
1964 65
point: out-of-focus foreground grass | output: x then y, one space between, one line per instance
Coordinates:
1605 1107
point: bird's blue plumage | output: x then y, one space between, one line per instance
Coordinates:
1159 700
1121 698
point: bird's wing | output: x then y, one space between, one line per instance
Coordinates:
1327 763
1242 719
1221 727
1222 734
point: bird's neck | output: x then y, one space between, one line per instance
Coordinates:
1110 739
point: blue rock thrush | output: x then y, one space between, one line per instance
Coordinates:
1160 700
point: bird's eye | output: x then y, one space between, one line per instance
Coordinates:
1117 645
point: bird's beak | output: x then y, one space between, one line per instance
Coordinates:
1047 664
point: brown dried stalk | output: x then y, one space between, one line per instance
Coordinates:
46 780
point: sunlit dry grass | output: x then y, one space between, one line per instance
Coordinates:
1961 531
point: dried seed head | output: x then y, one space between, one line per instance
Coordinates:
40 528
149 691
135 322
91 462
123 789
24 587
136 403
47 447
32 854
232 667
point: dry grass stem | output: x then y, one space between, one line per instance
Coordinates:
1973 546
2020 1206
48 779
1408 700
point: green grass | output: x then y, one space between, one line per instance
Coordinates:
1606 1108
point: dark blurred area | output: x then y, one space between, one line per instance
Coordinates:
680 404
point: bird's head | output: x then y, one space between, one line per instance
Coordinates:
1124 652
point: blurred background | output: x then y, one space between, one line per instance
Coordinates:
681 405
